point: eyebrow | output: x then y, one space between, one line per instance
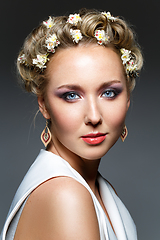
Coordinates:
78 87
107 84
70 86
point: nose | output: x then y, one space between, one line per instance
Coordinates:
93 114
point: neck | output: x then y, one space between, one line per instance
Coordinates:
88 169
89 172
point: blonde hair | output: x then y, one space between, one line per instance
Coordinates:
120 36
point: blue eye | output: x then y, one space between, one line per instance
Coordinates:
70 96
109 94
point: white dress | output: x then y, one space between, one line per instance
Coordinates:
48 165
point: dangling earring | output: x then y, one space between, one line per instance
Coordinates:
124 133
46 135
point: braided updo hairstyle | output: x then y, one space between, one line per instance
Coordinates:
120 36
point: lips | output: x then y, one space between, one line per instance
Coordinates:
94 138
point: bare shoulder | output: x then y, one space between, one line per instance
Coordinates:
60 208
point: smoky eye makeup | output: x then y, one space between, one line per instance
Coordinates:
71 93
112 91
68 95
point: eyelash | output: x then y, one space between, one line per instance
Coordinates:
113 93
66 96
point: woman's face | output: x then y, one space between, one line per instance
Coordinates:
86 100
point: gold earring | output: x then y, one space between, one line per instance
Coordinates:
46 135
124 133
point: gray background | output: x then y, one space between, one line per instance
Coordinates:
133 166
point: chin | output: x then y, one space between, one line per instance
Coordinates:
94 154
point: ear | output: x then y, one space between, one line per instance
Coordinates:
128 102
42 107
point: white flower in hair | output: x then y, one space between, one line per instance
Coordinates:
131 67
52 42
76 35
22 58
49 23
74 19
109 16
40 61
127 59
126 56
101 36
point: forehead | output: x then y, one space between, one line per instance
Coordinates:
85 65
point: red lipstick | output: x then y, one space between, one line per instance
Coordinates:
94 138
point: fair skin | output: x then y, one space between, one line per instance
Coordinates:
86 94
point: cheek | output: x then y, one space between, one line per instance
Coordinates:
115 116
65 119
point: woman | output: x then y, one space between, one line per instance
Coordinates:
82 69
